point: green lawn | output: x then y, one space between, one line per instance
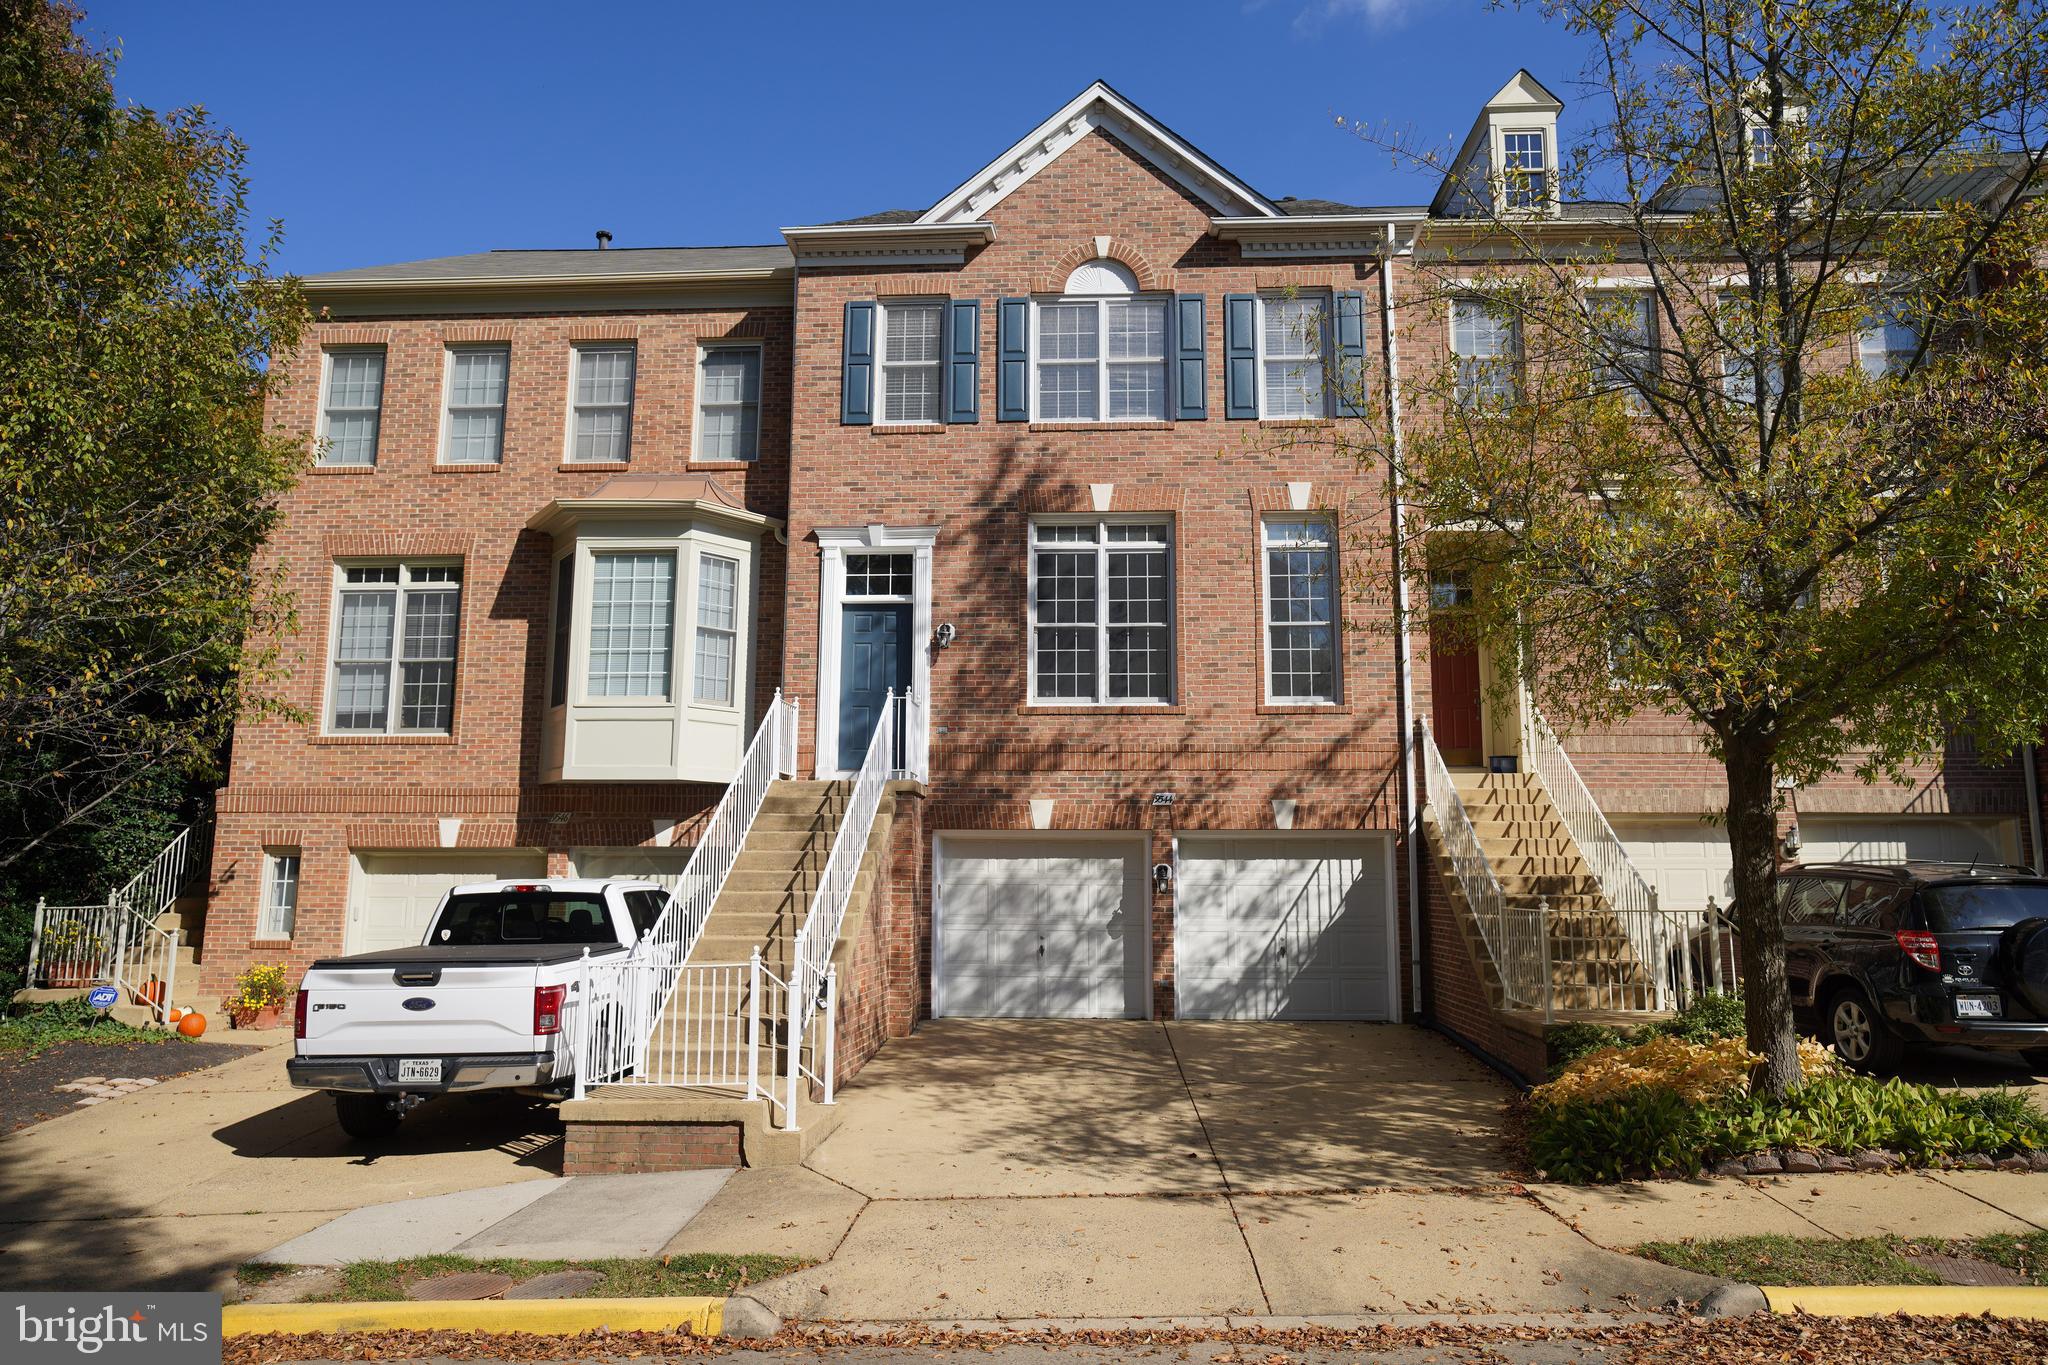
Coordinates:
1827 1261
655 1277
69 1021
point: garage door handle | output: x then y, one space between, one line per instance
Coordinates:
1041 948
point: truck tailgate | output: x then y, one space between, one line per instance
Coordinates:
369 1010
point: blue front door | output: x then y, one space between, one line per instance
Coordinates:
874 659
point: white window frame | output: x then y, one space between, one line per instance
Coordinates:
1102 625
735 686
448 404
394 680
282 869
680 590
323 445
1735 377
1103 362
1324 354
1326 544
1537 184
1894 363
1510 359
704 353
576 352
884 366
1604 380
835 544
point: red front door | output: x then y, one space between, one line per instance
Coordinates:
1454 677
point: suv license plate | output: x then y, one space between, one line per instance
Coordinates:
1977 1007
427 1070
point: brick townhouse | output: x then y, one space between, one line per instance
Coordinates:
1051 455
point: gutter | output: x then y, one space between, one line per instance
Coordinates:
1404 664
317 284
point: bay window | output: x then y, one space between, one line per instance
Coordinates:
1102 611
632 623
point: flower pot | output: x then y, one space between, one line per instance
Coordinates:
263 1018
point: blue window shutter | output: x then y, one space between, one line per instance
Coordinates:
1190 359
1240 356
1349 399
857 367
1013 360
963 360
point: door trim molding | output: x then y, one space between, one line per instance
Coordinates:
833 544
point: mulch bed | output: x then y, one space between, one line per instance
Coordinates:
1727 1341
29 1084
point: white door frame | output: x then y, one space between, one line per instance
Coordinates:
1136 841
1282 836
833 544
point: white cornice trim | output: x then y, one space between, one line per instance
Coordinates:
1100 107
315 284
887 243
1328 234
566 512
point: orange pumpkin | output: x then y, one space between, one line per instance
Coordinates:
150 993
174 1015
192 1025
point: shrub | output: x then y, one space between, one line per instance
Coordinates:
1569 1042
1711 1016
1707 1018
263 986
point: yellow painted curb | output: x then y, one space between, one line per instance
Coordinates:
704 1317
1922 1300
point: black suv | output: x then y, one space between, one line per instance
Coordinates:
1882 955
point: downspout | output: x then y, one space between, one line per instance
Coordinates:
1404 701
2033 764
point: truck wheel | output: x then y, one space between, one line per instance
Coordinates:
2036 1059
1859 1036
366 1118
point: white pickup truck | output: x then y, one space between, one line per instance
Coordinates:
483 1002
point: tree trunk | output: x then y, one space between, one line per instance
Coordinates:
1752 840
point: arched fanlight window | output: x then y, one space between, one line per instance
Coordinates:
1102 276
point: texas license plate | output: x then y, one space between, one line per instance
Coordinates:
1976 1007
427 1070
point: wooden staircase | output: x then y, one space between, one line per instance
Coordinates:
1593 964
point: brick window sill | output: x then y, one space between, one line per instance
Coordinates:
1294 423
724 466
593 466
441 468
1083 712
907 428
331 469
1304 709
345 740
1101 426
270 943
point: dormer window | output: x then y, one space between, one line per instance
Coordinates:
1525 169
1763 146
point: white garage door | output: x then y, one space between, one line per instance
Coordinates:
660 865
1863 839
395 893
1287 928
1685 860
1040 928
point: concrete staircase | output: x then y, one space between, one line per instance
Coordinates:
763 904
1593 964
187 919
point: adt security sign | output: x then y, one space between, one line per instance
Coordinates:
103 997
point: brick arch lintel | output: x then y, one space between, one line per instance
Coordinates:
1149 276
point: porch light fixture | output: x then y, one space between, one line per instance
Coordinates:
1162 877
1791 842
944 635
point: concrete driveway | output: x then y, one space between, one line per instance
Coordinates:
173 1186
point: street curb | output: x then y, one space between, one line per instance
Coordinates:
1934 1301
703 1317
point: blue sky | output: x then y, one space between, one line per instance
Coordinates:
391 131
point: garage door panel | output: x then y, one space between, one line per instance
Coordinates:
1280 928
1845 839
1051 927
395 893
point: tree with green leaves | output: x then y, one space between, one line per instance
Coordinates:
1760 437
136 477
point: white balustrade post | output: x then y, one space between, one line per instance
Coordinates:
580 1044
831 1027
793 1024
117 968
169 997
1543 935
1714 945
754 1025
35 942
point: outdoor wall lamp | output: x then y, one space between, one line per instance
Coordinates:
944 635
1162 877
1791 842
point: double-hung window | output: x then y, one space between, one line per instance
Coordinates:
1485 345
1624 324
1747 350
1102 611
280 893
1887 341
1301 611
474 430
1526 169
1293 341
1101 360
601 403
717 628
395 638
913 339
351 410
729 403
632 624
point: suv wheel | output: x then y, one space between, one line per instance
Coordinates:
1859 1037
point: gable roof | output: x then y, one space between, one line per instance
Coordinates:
1099 106
1522 91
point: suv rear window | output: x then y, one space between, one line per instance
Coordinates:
1990 906
497 918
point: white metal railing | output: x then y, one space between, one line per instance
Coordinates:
1621 881
1513 940
1597 960
119 943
